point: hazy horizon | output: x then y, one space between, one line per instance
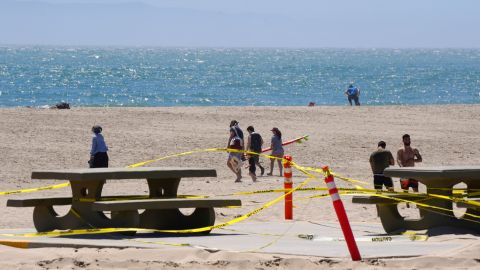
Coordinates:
106 46
408 24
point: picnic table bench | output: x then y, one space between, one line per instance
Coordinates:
438 181
162 205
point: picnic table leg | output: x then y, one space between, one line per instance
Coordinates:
46 219
430 217
473 189
390 217
393 222
167 188
86 192
80 215
437 216
173 219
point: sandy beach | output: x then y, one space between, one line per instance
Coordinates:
340 137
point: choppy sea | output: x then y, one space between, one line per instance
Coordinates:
145 77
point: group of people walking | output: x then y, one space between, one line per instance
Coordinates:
254 144
99 156
380 159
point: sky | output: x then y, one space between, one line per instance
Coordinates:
242 23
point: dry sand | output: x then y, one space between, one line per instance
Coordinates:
341 137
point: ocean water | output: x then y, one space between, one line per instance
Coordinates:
38 76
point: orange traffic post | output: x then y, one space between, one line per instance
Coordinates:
341 215
287 185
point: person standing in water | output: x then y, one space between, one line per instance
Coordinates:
353 93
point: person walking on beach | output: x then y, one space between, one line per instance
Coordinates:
277 150
407 156
234 124
254 144
98 153
379 160
234 161
353 93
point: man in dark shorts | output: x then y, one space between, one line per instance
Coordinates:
379 160
406 157
254 144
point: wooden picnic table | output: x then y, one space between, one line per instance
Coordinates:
88 206
438 181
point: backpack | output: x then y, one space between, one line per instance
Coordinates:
235 143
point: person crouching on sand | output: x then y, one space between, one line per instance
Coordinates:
98 154
234 161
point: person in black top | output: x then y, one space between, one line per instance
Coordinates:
254 144
379 160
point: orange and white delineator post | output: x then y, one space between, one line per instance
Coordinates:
287 185
341 215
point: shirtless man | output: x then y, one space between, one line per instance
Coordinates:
406 157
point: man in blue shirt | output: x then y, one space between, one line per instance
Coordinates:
353 93
98 154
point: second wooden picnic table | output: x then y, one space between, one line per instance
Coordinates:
437 204
439 182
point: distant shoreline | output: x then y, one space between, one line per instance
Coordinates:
276 106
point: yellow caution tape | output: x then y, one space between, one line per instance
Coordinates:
143 163
34 189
